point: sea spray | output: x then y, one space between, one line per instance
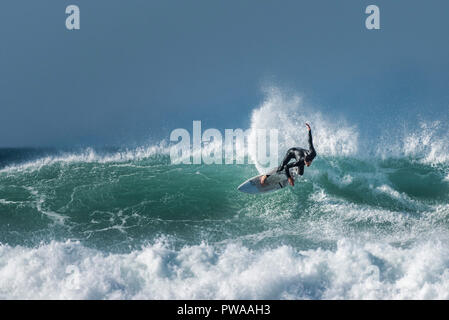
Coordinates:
288 115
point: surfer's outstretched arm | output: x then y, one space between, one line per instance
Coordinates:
310 141
311 148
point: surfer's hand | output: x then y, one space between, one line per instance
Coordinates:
291 181
308 127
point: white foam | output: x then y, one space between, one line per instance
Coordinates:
38 203
347 179
399 196
351 271
4 201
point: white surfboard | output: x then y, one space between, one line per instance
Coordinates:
274 182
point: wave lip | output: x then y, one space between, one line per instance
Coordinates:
288 114
89 155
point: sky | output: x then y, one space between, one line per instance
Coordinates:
138 69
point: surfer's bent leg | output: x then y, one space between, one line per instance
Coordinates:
288 156
293 153
283 166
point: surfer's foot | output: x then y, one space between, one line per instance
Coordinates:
262 180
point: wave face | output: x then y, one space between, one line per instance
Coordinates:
361 223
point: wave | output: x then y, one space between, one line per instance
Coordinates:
351 271
368 220
118 204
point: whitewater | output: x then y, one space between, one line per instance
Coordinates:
368 220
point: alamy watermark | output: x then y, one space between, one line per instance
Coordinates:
73 277
235 146
73 13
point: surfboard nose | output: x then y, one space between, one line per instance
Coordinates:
246 187
242 187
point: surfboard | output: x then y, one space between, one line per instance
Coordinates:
274 182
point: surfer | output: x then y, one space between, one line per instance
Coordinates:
302 157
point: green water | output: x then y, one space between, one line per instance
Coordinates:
122 205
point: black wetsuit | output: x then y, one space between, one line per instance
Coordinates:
299 155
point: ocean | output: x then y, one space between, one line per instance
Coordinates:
368 220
